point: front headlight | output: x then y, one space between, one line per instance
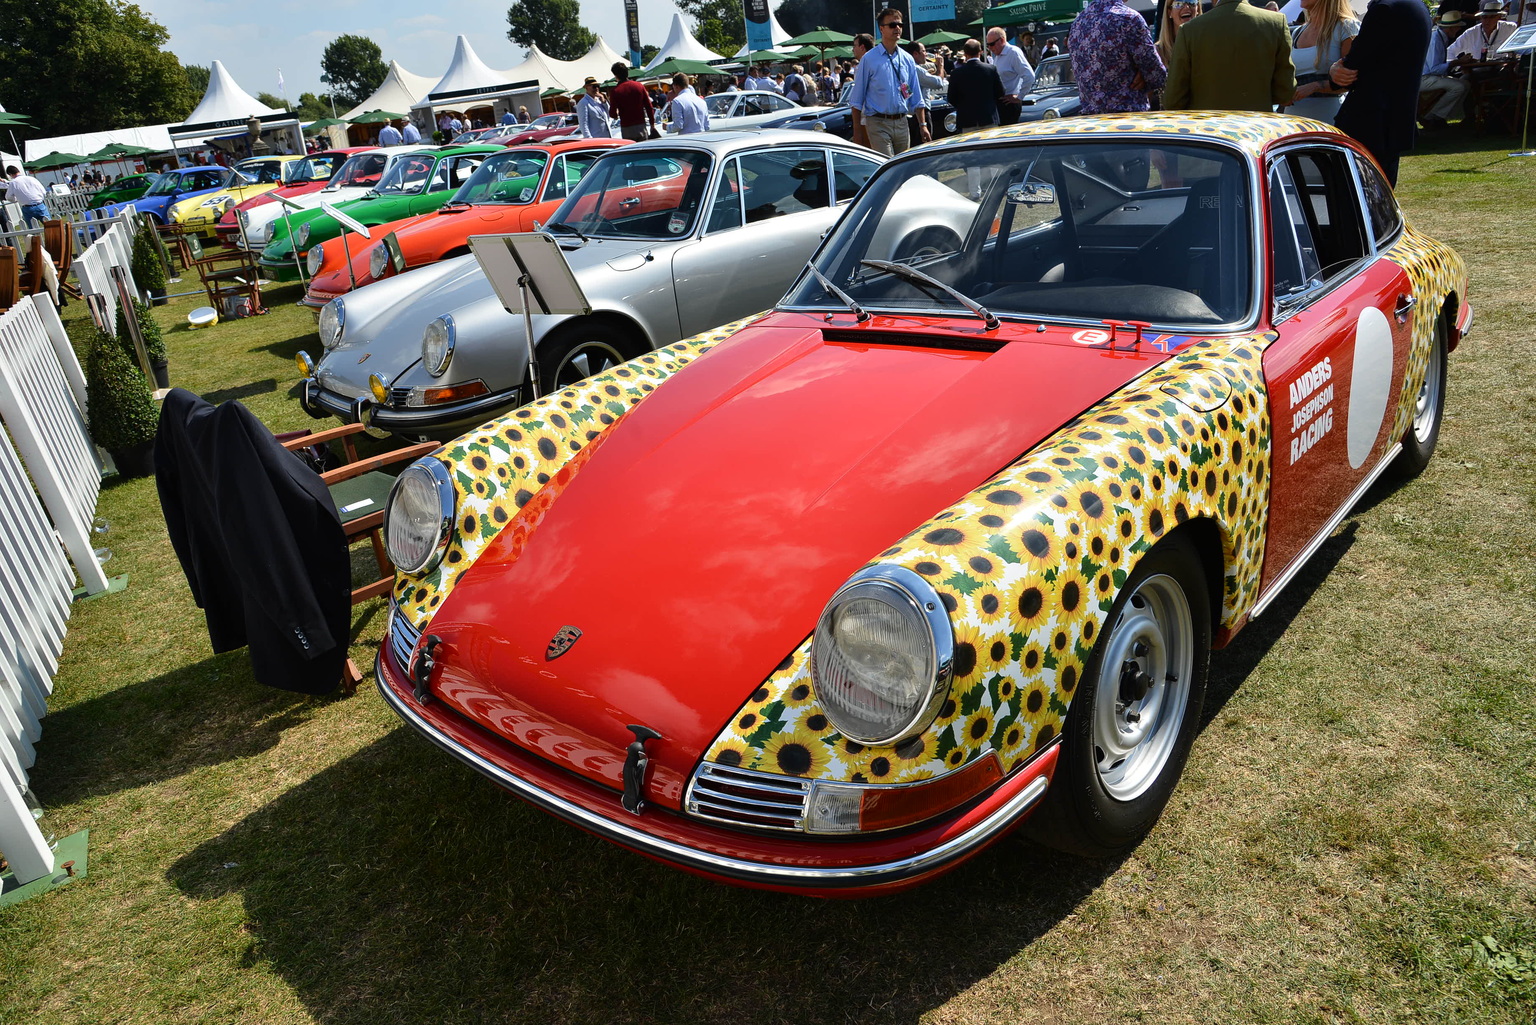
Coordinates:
437 345
951 122
418 517
378 261
1049 113
315 259
333 320
303 235
818 126
244 217
883 655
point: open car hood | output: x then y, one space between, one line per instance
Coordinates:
695 544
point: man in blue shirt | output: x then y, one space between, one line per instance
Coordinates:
1437 76
885 90
389 135
690 114
410 135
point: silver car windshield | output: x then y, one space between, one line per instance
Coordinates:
647 193
1072 230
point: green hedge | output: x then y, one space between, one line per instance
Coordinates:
122 413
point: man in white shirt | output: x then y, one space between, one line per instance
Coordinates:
1482 41
757 80
1018 77
592 112
27 191
689 113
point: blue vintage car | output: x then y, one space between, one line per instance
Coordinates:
174 186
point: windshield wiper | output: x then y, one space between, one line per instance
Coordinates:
916 276
860 314
562 226
454 203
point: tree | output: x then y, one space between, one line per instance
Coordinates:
275 102
313 108
554 26
353 66
718 24
88 66
197 80
647 52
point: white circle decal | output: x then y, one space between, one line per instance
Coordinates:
1369 383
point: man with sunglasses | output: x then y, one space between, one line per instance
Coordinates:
886 90
1013 68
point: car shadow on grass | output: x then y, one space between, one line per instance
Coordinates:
143 733
400 886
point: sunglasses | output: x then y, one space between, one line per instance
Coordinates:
891 24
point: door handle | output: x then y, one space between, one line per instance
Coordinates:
1405 305
625 204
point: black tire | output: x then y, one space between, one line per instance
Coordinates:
1424 432
1136 711
577 351
926 243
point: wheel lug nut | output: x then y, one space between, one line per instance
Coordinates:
1140 649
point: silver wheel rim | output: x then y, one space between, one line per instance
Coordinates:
586 359
1142 690
1426 406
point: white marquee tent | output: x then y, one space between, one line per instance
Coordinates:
779 35
225 111
681 43
400 91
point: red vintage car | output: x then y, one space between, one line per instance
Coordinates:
830 599
511 191
308 175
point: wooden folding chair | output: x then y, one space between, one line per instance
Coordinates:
228 275
35 279
10 278
61 250
360 487
175 237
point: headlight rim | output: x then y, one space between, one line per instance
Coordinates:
315 259
339 314
378 261
924 599
301 237
452 338
442 483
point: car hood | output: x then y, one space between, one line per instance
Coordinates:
695 544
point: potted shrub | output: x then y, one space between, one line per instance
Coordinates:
154 342
145 263
123 417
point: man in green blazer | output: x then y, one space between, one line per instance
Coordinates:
1233 57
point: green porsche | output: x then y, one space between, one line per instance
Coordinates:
418 183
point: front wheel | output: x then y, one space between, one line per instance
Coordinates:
1131 724
1428 409
578 352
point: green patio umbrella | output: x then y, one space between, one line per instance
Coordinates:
57 159
838 52
942 38
806 51
673 65
120 151
325 122
374 117
766 57
13 119
821 36
552 92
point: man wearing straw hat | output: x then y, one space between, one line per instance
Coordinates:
1450 91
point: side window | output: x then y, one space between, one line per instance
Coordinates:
570 170
779 103
725 209
783 181
1293 261
1386 219
1331 206
849 173
463 167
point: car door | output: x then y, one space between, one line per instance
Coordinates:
767 211
1342 316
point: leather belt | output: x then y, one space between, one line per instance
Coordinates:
887 117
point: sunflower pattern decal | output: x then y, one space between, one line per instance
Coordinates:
1253 133
1029 565
1436 271
509 471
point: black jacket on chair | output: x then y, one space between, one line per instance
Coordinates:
259 540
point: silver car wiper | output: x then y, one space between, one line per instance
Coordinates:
912 274
860 314
562 226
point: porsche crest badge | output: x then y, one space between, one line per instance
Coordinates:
561 642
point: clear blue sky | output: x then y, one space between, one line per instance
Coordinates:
254 40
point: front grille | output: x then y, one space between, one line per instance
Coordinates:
402 637
747 798
399 396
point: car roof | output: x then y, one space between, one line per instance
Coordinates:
1250 132
455 151
729 141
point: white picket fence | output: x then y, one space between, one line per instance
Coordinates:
93 267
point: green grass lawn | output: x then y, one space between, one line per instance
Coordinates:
1353 840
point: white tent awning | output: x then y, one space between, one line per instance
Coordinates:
681 43
399 91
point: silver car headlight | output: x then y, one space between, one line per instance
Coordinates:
437 345
818 126
315 259
244 217
333 321
303 235
951 122
418 518
1049 113
883 655
378 261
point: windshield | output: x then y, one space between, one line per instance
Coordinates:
652 193
1071 230
165 185
720 104
1053 74
548 121
509 177
311 169
406 176
261 172
361 170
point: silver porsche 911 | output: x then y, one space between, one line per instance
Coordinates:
667 238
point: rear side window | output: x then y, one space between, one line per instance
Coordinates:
1330 207
1386 219
849 173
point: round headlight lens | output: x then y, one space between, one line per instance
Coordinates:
419 516
951 122
378 261
315 259
883 655
333 320
437 345
1049 113
818 126
303 235
244 217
